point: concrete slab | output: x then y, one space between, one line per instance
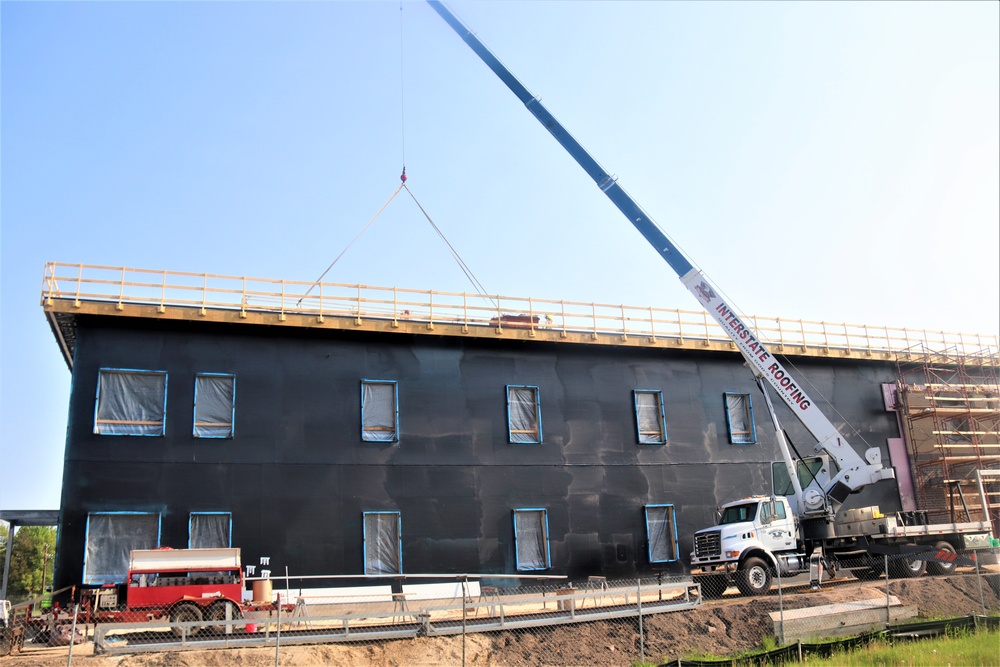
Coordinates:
841 619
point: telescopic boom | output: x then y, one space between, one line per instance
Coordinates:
854 472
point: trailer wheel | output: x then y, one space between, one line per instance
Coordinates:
937 567
754 577
906 568
186 613
217 612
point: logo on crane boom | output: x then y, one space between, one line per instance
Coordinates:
705 292
753 348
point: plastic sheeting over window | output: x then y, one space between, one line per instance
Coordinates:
739 417
379 411
523 415
649 417
661 532
531 539
210 530
130 402
214 405
383 549
110 538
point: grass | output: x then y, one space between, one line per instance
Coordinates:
959 648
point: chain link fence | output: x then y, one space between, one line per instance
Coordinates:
656 620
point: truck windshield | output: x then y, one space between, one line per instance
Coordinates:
739 513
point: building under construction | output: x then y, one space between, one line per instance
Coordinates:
353 430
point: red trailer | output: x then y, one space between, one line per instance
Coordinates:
184 585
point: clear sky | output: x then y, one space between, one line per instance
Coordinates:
828 161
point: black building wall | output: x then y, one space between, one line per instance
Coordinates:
297 476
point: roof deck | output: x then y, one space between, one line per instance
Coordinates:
69 290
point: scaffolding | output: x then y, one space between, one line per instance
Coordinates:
949 403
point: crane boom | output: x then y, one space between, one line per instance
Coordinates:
854 472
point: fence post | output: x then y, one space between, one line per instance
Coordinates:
781 608
642 638
979 578
277 635
465 595
888 617
72 634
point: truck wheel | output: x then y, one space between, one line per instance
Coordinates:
713 585
947 551
186 613
873 568
754 577
905 568
217 613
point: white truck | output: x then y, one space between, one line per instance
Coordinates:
758 536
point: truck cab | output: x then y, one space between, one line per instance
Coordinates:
748 532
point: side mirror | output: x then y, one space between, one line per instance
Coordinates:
772 512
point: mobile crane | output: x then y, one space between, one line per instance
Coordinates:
764 535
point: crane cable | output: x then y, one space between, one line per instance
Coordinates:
402 184
402 105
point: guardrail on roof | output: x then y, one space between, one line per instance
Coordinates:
202 294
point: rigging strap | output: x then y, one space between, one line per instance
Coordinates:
367 225
465 269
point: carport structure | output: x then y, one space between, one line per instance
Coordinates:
16 519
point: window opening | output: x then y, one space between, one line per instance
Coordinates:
739 513
383 544
771 512
661 533
214 405
807 471
739 419
130 402
210 530
111 536
649 417
379 411
531 539
524 415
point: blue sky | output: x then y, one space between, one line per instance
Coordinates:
827 161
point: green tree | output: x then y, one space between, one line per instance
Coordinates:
32 558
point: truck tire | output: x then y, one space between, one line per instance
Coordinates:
906 568
217 613
754 577
186 613
713 585
937 567
873 568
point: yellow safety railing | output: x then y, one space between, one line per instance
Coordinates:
82 284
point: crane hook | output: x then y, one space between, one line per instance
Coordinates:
402 177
